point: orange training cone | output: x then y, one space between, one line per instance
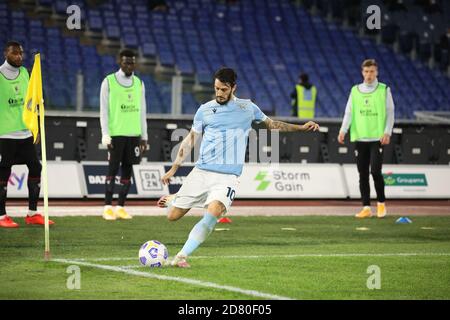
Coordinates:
224 220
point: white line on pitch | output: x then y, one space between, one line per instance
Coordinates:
305 255
207 284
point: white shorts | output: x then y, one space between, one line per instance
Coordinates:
202 187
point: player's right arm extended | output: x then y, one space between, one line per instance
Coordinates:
186 146
289 127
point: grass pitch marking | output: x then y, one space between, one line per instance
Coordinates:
305 255
195 282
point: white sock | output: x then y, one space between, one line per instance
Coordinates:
119 207
31 213
107 207
3 217
366 208
169 204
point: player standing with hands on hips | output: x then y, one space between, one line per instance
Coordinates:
123 120
370 116
225 123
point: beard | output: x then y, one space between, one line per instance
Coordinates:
14 64
223 101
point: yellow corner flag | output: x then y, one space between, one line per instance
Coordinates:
33 99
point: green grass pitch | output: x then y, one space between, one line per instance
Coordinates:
316 258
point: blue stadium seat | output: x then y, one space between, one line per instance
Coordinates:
268 40
112 32
148 49
95 23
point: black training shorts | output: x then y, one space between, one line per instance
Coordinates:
17 151
124 150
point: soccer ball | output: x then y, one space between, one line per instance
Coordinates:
153 254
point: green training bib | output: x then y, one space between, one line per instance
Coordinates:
12 95
124 107
368 113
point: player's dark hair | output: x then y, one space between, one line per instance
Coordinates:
127 53
226 75
369 63
11 44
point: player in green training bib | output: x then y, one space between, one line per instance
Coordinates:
370 116
123 119
16 141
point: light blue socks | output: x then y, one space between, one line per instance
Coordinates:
199 234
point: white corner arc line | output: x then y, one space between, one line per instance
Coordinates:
207 284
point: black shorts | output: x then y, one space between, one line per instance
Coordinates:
18 151
124 150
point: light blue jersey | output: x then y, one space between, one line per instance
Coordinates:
225 131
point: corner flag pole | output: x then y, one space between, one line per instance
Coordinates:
44 177
44 180
34 103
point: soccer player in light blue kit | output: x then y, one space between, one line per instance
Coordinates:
225 123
